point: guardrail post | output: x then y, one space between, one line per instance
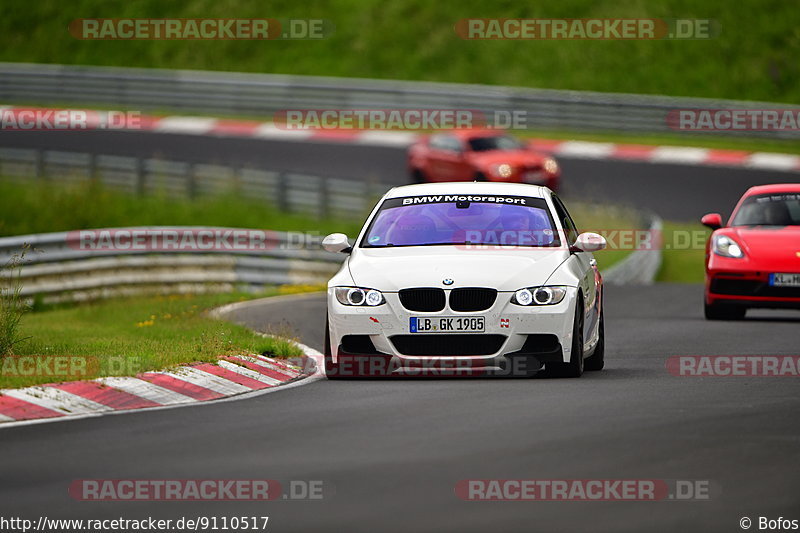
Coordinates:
92 170
191 182
236 180
38 164
139 186
282 189
324 198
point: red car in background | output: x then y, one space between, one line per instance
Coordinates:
480 155
754 261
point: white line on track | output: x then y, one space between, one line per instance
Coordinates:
387 138
773 161
588 150
195 125
679 154
271 131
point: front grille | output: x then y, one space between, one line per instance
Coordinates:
472 299
426 300
752 287
446 344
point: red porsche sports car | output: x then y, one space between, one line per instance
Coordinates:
482 155
754 261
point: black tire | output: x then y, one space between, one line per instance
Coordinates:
574 368
724 312
597 360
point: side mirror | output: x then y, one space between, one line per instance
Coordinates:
337 242
589 242
712 220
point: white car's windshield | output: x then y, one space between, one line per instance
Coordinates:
458 219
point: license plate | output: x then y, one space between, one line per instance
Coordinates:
784 280
447 324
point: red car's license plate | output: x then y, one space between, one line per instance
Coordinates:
784 280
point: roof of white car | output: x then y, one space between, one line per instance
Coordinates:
468 187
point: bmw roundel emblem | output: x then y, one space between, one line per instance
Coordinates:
447 281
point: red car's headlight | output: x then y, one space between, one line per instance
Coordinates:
550 165
503 170
726 247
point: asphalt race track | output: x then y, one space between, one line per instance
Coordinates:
390 452
676 192
393 450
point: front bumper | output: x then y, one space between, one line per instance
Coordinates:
522 338
748 288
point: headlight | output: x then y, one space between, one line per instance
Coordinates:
726 247
550 165
504 170
358 296
539 296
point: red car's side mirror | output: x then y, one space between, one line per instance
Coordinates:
712 220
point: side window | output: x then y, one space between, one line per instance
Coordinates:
445 142
453 144
566 220
438 142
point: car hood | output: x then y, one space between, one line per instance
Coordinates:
512 157
392 269
769 244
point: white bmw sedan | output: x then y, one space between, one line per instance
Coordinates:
465 278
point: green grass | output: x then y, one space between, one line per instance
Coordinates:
683 255
51 206
754 57
133 335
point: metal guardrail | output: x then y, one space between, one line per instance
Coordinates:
57 268
231 93
641 266
288 192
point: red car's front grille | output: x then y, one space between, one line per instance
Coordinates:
752 287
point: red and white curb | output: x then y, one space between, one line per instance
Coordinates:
683 155
234 376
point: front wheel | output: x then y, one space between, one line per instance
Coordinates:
597 360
